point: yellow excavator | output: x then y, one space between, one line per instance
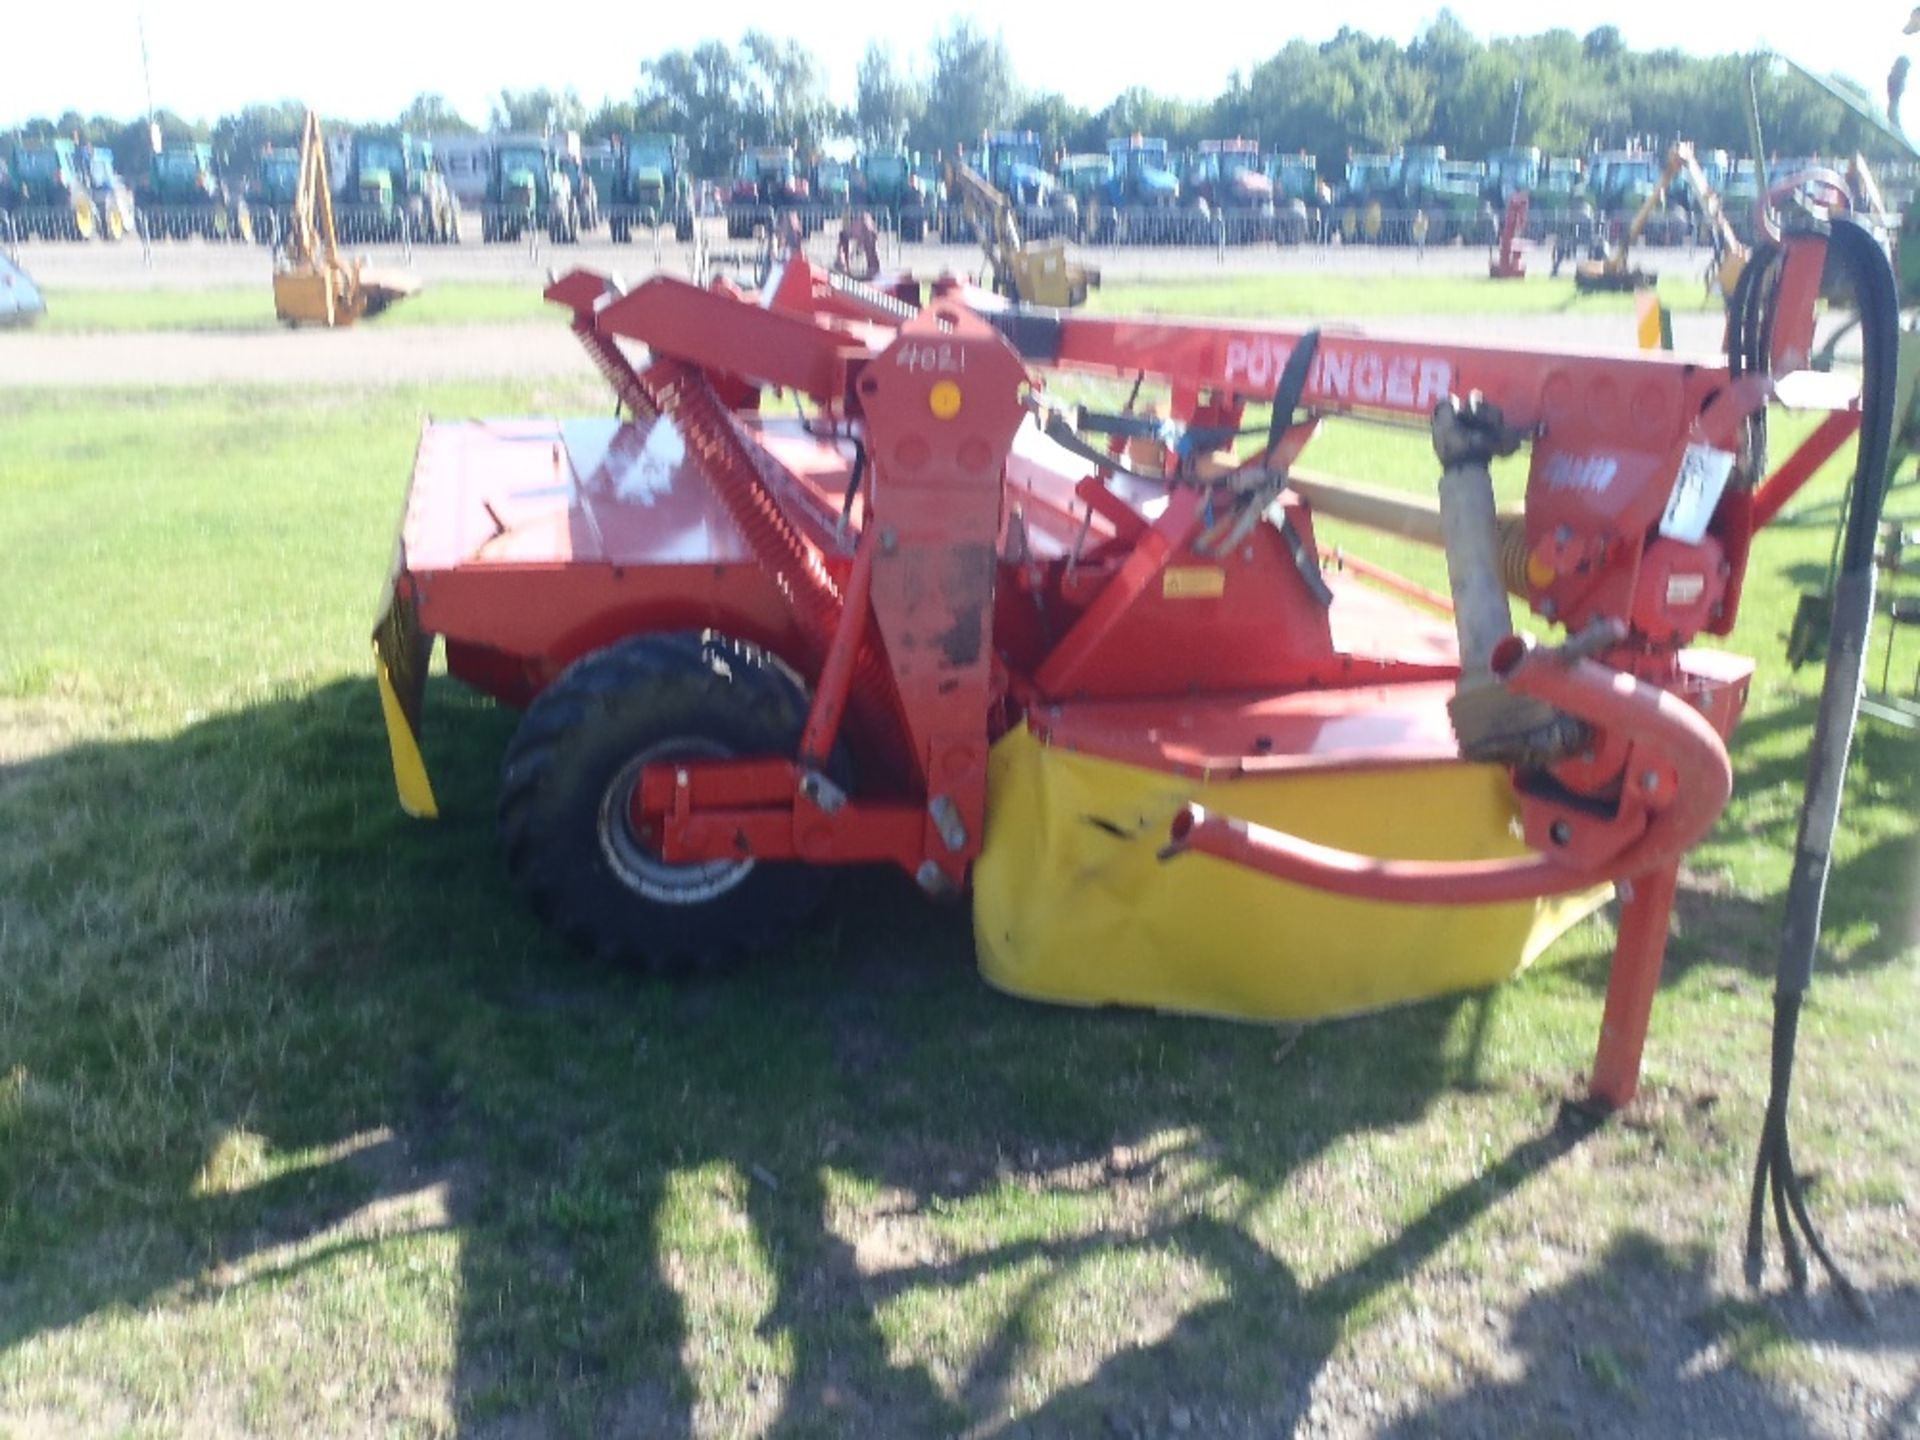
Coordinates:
1033 272
312 283
1612 270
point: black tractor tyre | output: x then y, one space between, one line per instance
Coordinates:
563 820
683 226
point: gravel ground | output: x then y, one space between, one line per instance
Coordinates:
198 265
375 355
364 355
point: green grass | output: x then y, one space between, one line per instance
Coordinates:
307 1128
453 302
78 310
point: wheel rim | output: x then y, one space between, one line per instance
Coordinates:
629 855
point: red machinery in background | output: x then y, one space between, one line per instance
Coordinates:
1510 263
943 621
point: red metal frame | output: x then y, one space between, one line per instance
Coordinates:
1509 264
988 578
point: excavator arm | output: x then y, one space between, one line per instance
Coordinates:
312 284
1730 252
1031 272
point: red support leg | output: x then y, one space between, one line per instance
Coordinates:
1637 955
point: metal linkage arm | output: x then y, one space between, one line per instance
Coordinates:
1665 728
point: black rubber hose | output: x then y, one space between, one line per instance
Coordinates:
1773 1175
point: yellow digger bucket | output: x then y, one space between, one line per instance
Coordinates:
1072 903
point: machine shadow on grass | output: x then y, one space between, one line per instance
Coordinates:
1640 1343
251 941
1715 924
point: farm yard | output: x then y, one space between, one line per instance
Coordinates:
308 1127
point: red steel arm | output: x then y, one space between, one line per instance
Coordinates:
1656 719
718 333
1821 446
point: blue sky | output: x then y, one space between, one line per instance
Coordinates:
211 56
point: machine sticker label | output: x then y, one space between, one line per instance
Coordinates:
942 359
1360 377
1696 494
1685 589
1193 582
1591 474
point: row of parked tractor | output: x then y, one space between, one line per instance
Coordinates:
66 190
1140 191
389 188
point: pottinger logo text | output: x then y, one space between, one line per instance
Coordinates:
1360 377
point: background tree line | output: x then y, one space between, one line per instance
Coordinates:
1354 92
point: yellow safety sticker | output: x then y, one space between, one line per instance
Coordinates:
1193 582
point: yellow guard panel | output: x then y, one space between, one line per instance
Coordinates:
1071 902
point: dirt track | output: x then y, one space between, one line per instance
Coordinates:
197 265
365 356
378 355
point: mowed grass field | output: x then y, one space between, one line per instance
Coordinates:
306 1127
81 310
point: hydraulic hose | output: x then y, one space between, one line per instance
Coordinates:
1878 297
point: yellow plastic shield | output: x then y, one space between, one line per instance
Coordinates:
1072 904
402 652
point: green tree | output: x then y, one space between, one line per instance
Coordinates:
1060 124
239 137
784 94
698 93
432 114
971 89
1137 111
889 100
536 111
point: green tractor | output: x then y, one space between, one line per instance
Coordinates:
49 195
886 183
1301 198
1086 177
943 218
1373 187
273 194
1449 193
652 188
184 196
114 215
600 167
583 176
1562 210
1622 181
528 191
393 190
832 186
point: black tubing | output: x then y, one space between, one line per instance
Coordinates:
1773 1175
